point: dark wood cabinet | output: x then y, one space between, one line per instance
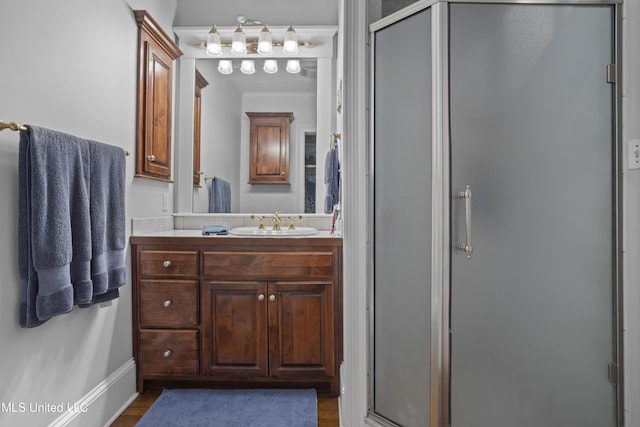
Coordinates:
156 53
234 311
269 329
235 329
269 148
201 83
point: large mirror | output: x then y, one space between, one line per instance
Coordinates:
312 95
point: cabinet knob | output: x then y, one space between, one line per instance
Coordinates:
151 157
166 264
282 173
167 303
261 297
167 353
272 298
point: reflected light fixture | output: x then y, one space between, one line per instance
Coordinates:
238 42
293 66
225 66
270 66
247 66
214 46
265 45
290 46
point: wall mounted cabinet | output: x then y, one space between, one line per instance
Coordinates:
269 148
156 53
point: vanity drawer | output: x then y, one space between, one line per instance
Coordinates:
317 264
168 303
168 263
168 352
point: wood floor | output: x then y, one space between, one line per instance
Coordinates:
327 410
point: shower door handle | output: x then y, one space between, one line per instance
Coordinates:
466 247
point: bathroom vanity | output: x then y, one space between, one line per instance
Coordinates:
227 311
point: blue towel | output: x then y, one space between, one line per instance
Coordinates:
54 228
332 179
219 196
71 223
108 271
220 230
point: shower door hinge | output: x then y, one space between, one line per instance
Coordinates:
612 73
614 373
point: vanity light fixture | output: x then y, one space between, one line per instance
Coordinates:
293 66
270 66
247 66
265 44
238 42
214 45
225 66
290 46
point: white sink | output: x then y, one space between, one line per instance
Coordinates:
268 232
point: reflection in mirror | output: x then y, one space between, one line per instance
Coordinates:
309 94
225 133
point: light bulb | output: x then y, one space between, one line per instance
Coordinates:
265 46
214 46
247 66
238 42
293 66
225 66
270 66
290 46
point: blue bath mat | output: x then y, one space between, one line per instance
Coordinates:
233 408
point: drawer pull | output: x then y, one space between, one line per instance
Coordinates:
261 297
166 264
272 298
167 353
167 303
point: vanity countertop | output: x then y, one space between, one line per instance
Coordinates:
198 233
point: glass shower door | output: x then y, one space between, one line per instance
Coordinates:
402 225
532 135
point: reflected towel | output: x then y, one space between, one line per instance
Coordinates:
332 179
219 196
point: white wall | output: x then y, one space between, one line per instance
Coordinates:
69 66
220 136
272 198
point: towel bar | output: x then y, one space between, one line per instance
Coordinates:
11 125
17 126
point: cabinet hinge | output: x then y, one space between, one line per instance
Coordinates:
612 73
614 373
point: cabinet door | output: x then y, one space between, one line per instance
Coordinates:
156 51
269 148
301 329
234 322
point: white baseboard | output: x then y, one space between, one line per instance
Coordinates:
102 405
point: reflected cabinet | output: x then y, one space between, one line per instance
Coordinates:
269 148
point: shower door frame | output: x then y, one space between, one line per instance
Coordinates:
440 282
